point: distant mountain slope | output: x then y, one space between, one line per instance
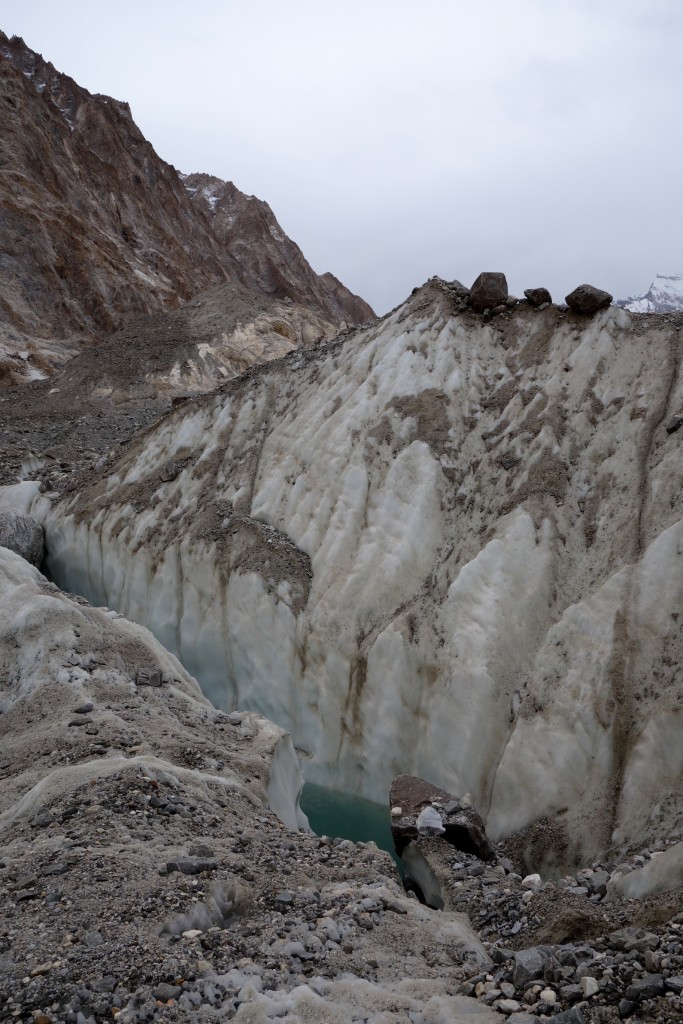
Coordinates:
248 229
95 227
665 295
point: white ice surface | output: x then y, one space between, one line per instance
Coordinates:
464 621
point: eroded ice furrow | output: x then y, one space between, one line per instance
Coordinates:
468 496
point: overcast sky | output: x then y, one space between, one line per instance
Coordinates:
396 140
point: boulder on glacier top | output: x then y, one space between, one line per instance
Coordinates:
537 296
22 534
488 291
587 299
422 803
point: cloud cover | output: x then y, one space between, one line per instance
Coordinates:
395 141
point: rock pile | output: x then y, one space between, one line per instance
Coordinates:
567 949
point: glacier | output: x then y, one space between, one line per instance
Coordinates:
435 546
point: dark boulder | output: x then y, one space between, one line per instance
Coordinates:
488 291
22 534
587 299
461 825
537 296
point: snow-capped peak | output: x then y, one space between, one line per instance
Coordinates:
665 295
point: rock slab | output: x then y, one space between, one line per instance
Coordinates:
23 535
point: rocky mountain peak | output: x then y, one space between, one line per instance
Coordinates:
95 227
251 234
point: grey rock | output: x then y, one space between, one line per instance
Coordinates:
84 709
168 472
148 677
92 939
633 940
105 984
647 987
489 290
625 1008
538 296
459 290
587 299
529 966
674 984
573 1016
165 991
674 423
190 867
23 535
524 1018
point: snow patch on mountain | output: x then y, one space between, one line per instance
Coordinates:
665 295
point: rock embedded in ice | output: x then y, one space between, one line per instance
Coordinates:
587 299
488 291
22 534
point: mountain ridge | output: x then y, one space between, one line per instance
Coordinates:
95 226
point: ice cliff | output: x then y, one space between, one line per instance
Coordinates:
437 545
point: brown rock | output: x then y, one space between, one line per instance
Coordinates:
463 826
488 291
587 299
537 296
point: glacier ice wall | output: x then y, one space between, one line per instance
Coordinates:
436 546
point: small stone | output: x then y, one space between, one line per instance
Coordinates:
191 933
531 882
674 984
84 709
573 1016
92 939
168 472
165 991
548 996
589 986
396 812
508 1006
41 969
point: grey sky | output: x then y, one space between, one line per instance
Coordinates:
395 140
